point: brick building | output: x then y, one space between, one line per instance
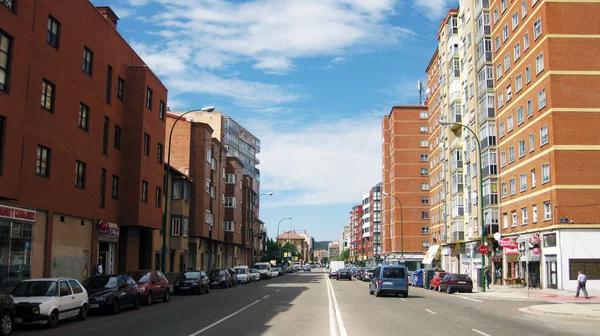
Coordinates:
355 232
80 168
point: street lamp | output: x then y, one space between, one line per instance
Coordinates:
164 219
447 123
277 237
401 222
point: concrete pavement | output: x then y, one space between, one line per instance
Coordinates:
522 294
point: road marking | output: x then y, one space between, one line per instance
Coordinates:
429 311
225 318
468 298
332 331
338 314
480 332
266 296
277 290
403 299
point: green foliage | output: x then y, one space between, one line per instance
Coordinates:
272 252
345 255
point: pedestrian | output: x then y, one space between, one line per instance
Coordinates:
488 276
99 269
581 280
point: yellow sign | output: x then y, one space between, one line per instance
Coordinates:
295 258
285 254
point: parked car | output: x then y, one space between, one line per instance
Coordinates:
254 275
152 285
367 274
195 282
389 279
434 284
220 278
112 292
289 270
7 314
280 271
243 276
454 282
264 268
49 301
233 274
344 273
306 268
274 272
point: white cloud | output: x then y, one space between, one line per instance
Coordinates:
435 9
274 65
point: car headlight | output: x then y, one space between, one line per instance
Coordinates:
101 298
35 310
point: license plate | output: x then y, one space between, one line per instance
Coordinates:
18 320
388 283
94 305
344 273
462 282
215 282
185 287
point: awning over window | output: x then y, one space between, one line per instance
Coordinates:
430 255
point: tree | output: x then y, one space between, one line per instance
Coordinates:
272 252
345 255
290 247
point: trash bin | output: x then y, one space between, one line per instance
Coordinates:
428 276
418 278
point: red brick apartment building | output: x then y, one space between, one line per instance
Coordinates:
405 179
81 143
355 231
547 72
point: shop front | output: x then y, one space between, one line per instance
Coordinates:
16 235
108 240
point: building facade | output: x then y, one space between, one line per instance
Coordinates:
405 185
356 232
333 250
65 206
301 247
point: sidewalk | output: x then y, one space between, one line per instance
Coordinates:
500 292
583 311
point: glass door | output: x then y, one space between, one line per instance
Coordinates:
551 272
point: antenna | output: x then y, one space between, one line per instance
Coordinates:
420 88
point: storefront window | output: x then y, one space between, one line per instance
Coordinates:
15 253
550 240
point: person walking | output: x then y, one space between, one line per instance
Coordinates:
488 277
581 280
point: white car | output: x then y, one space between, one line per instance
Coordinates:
274 272
243 274
50 300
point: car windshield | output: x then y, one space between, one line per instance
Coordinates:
461 277
393 272
215 273
261 267
344 270
241 270
189 275
99 282
253 270
140 276
35 288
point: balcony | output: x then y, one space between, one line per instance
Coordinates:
490 199
481 5
488 141
456 165
491 229
458 236
457 188
483 25
458 211
490 170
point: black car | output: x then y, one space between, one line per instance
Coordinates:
344 273
195 282
7 314
220 278
112 292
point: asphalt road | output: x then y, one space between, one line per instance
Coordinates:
310 304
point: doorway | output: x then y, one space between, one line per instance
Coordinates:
106 256
551 272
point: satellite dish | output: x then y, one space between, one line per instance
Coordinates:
497 236
427 91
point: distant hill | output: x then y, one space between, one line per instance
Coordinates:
321 245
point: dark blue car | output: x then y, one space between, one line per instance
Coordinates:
389 280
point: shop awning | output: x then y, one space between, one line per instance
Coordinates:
430 255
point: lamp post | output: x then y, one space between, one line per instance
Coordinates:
167 198
401 223
446 123
277 237
254 234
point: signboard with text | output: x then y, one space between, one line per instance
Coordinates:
17 214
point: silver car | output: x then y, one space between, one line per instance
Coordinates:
254 275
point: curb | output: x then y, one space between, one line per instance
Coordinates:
535 311
500 298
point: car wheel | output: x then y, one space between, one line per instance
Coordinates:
377 293
82 312
370 291
405 294
167 296
6 323
149 298
136 302
52 319
114 309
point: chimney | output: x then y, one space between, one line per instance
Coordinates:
109 15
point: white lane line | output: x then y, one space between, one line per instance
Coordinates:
266 296
277 290
480 332
332 330
429 311
225 318
403 299
470 299
338 314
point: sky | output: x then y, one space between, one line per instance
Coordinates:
312 79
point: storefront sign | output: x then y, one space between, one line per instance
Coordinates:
507 242
534 239
511 250
18 214
109 229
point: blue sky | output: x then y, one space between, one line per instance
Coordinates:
311 79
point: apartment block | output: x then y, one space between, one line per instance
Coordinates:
356 231
405 185
81 142
302 253
546 72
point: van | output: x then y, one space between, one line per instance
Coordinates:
243 274
264 269
389 280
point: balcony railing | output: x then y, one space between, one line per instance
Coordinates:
458 235
490 170
456 164
486 57
488 141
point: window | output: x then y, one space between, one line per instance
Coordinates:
424 200
503 4
175 226
145 191
521 148
515 20
424 143
146 144
423 129
498 70
53 32
159 153
545 173
424 229
547 211
2 132
423 115
537 29
230 179
496 15
80 168
158 200
102 188
510 123
109 76
500 99
503 186
209 156
5 56
533 179
88 59
184 228
424 157
528 74
74 284
543 135
8 4
505 33
502 159
523 216
105 135
424 214
161 110
534 214
115 187
526 41
511 154
508 92
148 98
539 63
120 88
497 43
520 115
542 99
424 171
501 129
506 62
84 117
531 142
517 51
514 218
230 202
48 91
523 180
117 143
505 220
513 186
524 8
529 108
229 226
42 166
424 186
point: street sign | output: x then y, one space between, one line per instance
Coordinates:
483 249
534 239
402 258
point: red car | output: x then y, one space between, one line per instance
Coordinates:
434 284
152 284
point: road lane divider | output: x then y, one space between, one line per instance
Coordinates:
429 311
225 318
403 299
480 332
266 296
338 313
468 298
332 329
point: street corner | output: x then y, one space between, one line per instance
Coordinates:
570 310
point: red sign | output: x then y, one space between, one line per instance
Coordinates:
537 251
507 242
483 249
106 229
534 239
511 250
15 213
